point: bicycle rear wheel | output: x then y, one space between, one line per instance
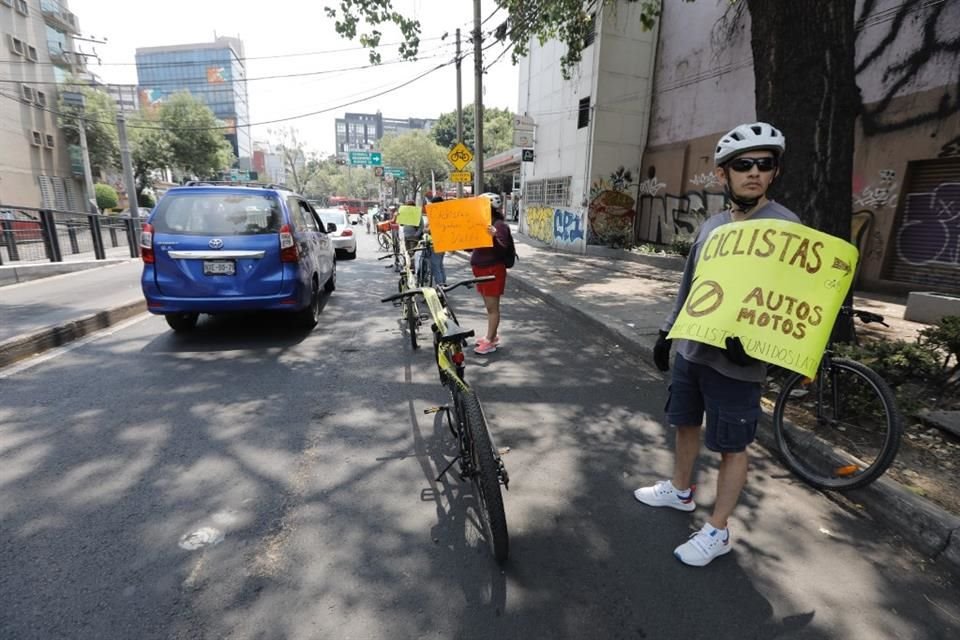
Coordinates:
486 476
840 431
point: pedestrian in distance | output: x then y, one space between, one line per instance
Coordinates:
487 261
723 384
436 257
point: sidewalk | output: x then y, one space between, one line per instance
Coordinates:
628 295
46 313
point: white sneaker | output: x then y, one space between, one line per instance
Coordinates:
664 494
703 546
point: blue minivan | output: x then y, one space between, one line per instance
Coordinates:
218 249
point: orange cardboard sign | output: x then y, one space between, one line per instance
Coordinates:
460 224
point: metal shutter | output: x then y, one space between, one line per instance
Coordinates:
926 237
46 192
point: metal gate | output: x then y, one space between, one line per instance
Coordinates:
926 236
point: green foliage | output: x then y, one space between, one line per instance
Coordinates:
100 116
416 152
566 20
681 246
196 142
897 361
150 149
497 130
146 199
107 197
944 337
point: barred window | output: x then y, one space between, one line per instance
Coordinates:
557 192
534 194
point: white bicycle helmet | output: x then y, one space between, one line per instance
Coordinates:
749 137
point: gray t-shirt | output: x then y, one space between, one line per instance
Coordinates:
703 353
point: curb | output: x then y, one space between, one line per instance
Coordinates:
20 347
927 527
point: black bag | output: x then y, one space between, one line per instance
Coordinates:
510 254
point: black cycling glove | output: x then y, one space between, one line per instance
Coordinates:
661 352
736 354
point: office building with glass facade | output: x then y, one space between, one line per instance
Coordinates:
214 72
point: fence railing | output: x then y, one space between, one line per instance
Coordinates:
28 234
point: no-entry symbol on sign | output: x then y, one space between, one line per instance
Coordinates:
705 298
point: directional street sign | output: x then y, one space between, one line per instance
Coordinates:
461 176
395 172
460 156
365 158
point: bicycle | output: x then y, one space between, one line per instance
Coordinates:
477 457
410 311
842 429
424 270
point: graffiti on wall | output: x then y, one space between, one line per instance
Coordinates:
540 223
930 229
951 149
666 218
611 211
878 194
705 180
556 227
650 187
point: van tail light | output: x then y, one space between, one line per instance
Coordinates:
146 244
288 246
347 232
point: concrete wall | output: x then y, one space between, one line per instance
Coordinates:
601 159
558 227
704 85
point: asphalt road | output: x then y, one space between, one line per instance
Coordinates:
254 481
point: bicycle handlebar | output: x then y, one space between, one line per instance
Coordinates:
866 317
414 292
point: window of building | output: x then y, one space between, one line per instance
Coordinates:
556 192
534 194
22 7
48 141
9 3
32 53
27 93
41 99
17 46
591 32
583 115
37 138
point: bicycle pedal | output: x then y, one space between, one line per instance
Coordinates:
430 410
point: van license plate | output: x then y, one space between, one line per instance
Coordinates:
219 268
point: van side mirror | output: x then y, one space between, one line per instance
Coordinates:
331 227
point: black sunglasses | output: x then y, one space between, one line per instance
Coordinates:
742 165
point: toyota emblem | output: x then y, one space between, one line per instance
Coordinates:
216 243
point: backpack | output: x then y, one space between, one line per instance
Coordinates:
510 254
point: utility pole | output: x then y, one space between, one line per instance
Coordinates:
128 173
91 199
459 108
478 100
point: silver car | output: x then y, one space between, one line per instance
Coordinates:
344 239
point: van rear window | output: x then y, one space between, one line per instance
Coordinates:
216 214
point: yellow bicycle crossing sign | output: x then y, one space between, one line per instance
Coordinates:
460 156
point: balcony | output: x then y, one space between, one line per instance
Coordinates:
57 16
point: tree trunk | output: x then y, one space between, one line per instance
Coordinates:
803 53
803 57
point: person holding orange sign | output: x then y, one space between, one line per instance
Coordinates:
723 384
492 261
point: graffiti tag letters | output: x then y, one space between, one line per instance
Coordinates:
930 232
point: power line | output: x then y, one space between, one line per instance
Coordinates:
201 82
189 63
252 124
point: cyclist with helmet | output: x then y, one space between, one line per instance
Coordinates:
723 384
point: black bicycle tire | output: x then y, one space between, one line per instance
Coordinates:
383 241
485 479
412 321
884 458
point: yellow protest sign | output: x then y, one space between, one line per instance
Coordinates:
409 215
460 224
776 285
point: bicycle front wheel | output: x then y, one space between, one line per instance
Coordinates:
486 477
413 319
383 240
840 431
